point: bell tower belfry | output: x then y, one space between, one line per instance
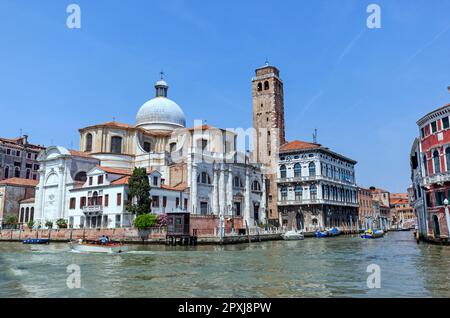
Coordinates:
268 122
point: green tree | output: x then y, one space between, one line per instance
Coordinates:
11 220
145 221
49 224
139 201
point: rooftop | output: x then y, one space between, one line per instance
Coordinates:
20 182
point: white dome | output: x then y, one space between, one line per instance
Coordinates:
160 113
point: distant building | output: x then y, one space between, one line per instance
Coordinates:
381 207
316 187
430 172
402 213
12 191
366 214
18 158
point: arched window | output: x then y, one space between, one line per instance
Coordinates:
313 192
437 164
266 85
259 87
283 193
298 192
22 215
425 167
116 144
81 176
147 146
297 170
27 215
283 171
256 186
312 169
17 172
447 158
95 198
237 182
204 178
32 214
88 142
173 146
6 174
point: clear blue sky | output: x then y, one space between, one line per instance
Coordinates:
363 89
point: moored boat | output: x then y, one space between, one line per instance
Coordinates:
36 241
372 234
293 235
98 247
328 233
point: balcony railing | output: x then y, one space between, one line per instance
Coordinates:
437 178
312 178
316 201
93 209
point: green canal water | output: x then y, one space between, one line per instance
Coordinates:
333 267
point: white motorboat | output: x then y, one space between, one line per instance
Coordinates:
97 247
293 235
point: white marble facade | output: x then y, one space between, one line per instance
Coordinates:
200 169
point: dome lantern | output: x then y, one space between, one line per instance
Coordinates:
161 87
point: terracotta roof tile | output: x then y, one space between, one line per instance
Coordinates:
121 181
298 145
125 172
20 182
111 124
77 153
30 200
179 187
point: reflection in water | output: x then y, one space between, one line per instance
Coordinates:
334 267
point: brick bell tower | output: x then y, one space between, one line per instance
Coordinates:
268 122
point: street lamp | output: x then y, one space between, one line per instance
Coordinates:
447 218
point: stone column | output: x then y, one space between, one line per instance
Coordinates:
222 197
194 188
230 191
215 194
247 198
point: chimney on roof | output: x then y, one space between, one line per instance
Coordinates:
25 139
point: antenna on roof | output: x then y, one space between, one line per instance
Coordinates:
315 136
267 62
21 132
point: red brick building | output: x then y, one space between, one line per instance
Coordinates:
430 165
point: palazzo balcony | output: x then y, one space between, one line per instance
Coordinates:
315 201
93 210
436 178
313 178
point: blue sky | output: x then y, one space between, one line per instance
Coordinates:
363 89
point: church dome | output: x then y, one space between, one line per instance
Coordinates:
160 113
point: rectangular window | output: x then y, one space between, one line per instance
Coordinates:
433 127
185 203
90 180
18 153
72 203
36 167
155 201
445 123
164 201
100 180
177 202
119 199
117 220
106 199
29 155
8 151
82 202
155 181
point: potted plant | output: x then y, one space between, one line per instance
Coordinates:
49 224
61 224
11 221
30 224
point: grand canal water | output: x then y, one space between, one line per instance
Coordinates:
334 267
